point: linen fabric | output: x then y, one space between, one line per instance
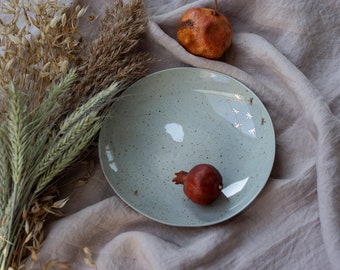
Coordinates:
287 52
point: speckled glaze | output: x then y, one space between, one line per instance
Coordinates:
175 119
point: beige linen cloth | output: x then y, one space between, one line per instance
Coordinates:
288 53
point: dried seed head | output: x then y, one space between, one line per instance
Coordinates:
14 39
27 227
28 238
87 251
81 12
36 9
89 262
54 21
61 203
28 50
63 20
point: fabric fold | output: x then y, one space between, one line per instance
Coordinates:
287 54
323 125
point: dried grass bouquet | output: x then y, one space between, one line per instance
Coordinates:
54 91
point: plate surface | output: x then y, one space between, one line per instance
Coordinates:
177 118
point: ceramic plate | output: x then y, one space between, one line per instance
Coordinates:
177 118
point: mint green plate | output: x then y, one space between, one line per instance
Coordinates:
177 118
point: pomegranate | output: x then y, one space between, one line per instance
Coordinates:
205 32
202 184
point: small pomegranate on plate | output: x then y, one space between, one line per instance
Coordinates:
202 184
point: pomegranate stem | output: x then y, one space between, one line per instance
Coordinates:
216 6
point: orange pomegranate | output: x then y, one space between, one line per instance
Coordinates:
205 32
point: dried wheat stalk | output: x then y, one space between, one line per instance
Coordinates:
40 41
40 69
115 55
